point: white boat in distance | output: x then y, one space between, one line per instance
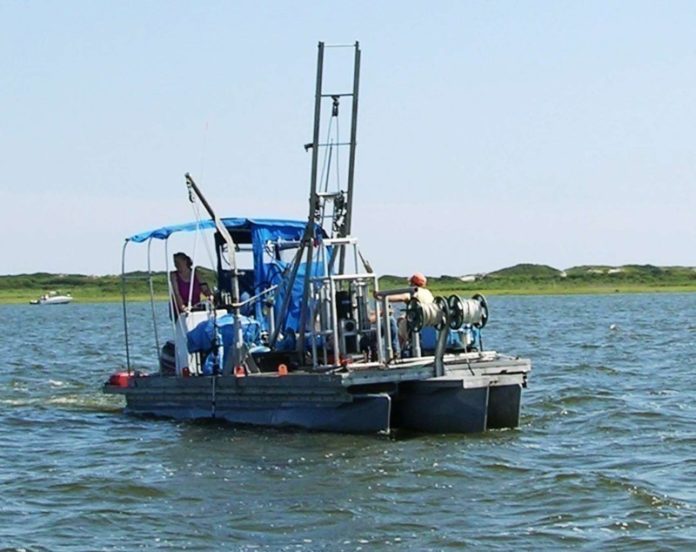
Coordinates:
52 298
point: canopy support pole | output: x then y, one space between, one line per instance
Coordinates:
152 297
123 300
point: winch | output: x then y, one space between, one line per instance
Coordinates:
447 315
453 312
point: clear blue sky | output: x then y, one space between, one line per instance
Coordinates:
490 133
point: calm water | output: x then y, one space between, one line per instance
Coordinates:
605 456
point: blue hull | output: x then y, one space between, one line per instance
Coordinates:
366 414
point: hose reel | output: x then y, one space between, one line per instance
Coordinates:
453 312
472 311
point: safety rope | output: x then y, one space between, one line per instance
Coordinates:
197 212
332 143
325 167
338 152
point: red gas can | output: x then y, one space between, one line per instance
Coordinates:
120 379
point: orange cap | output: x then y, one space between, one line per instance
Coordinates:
418 279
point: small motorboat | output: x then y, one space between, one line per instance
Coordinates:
52 298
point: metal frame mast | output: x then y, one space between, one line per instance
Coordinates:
317 201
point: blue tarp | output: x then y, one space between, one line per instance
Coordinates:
278 275
200 338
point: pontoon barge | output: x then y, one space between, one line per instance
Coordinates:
304 338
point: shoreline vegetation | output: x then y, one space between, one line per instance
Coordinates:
521 279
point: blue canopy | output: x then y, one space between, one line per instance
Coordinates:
208 224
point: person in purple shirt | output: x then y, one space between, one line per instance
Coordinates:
181 284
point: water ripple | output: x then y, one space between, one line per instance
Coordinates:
603 457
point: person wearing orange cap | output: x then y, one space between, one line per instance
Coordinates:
423 294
